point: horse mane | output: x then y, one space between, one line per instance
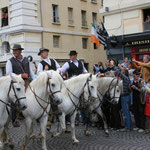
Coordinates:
77 78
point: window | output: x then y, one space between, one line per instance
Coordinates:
84 43
146 16
94 17
70 16
4 17
56 41
83 15
55 14
94 1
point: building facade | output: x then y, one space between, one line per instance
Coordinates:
128 22
58 25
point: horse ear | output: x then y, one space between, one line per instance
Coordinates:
13 78
49 73
90 77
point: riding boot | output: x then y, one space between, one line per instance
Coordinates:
55 110
14 115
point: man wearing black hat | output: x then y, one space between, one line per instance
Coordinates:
74 66
19 64
46 63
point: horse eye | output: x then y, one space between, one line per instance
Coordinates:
92 87
18 89
118 91
53 85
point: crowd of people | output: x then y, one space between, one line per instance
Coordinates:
135 98
135 76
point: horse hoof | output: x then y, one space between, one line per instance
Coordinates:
87 133
11 146
75 142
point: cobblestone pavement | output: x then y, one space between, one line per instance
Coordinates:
96 141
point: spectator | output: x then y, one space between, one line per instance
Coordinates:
125 64
130 70
147 18
143 67
138 107
125 97
4 17
147 105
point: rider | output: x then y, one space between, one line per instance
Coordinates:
74 67
19 65
46 63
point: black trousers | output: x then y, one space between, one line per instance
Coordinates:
138 111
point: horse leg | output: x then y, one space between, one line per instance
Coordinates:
62 125
43 123
1 137
86 130
73 127
28 123
99 111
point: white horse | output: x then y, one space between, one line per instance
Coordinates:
47 85
71 92
12 90
109 87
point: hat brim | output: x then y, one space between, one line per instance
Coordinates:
46 50
73 54
17 49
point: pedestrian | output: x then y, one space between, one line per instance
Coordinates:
144 67
125 97
146 88
138 107
125 63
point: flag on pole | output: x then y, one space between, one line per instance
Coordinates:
94 36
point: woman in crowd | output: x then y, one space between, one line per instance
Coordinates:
147 105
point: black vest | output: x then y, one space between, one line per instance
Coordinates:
74 70
18 66
52 67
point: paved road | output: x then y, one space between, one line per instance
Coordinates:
97 141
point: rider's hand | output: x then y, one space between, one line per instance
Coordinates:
25 76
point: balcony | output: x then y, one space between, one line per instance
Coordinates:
146 26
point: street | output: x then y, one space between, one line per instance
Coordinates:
96 141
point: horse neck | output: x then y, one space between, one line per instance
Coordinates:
104 84
76 85
4 85
39 86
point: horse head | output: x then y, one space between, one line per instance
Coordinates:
16 92
54 84
90 89
113 91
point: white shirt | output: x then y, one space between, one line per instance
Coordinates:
47 60
9 70
65 67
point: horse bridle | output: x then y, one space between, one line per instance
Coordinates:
107 93
77 106
17 99
15 94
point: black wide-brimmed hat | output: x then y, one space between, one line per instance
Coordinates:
17 47
73 53
42 50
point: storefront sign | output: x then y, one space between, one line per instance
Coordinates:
141 50
136 43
